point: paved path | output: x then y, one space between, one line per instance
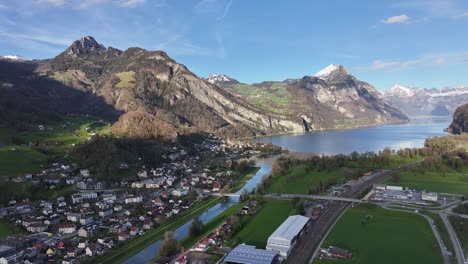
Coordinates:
440 241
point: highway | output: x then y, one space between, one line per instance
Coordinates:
454 238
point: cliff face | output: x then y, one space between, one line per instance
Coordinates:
149 95
332 98
460 121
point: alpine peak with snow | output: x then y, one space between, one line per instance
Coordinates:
214 78
400 90
221 80
415 101
13 58
333 72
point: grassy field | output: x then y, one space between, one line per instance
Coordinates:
300 180
7 229
26 156
274 98
389 237
126 79
461 227
432 180
120 253
257 228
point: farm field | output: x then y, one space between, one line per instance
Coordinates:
432 180
300 180
29 149
257 228
388 237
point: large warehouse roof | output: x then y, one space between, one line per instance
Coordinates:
247 254
289 228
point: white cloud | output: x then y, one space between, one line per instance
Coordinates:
52 2
207 6
121 3
434 8
131 3
3 7
37 38
440 61
379 65
226 10
400 19
425 60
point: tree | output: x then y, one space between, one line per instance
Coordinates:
396 178
235 223
245 195
169 245
196 228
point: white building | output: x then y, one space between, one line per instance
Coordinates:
132 199
429 197
285 236
394 188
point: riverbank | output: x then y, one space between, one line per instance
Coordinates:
121 253
242 181
126 251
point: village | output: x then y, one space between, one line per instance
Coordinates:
98 216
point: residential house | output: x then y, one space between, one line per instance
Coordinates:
67 228
123 236
37 227
134 231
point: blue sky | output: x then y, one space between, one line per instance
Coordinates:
420 43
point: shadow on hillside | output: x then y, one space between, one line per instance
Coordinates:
34 98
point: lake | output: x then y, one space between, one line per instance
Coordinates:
330 142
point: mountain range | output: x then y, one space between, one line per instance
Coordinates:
332 98
146 94
416 102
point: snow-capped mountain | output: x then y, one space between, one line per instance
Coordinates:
416 101
400 91
13 57
333 73
221 80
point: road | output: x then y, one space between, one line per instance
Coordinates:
440 241
315 232
307 196
454 238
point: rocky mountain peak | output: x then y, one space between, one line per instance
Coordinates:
400 91
333 73
83 46
216 78
13 58
221 80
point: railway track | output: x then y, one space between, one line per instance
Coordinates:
303 251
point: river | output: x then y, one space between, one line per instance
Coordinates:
410 135
151 251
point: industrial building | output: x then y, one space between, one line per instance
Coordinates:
246 254
429 197
285 236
